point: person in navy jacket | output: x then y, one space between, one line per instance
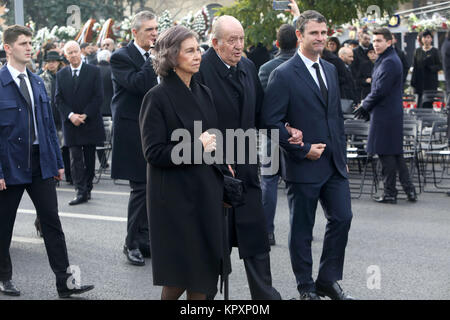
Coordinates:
304 92
30 160
384 104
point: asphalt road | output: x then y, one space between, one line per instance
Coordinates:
395 252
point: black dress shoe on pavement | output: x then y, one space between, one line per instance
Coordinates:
448 193
309 296
8 288
134 256
412 196
89 195
37 225
272 239
78 200
333 291
68 292
386 199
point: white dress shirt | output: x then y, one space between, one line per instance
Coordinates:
72 69
309 65
15 75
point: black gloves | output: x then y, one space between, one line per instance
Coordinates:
361 113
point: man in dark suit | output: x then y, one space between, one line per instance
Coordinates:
79 95
237 96
287 43
304 92
359 56
347 83
133 76
383 106
30 160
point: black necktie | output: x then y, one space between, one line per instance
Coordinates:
147 55
323 88
26 95
75 78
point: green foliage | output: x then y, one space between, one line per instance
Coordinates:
260 21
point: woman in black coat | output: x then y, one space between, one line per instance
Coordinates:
426 65
185 205
365 72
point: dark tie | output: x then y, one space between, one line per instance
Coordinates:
323 88
26 95
147 55
75 78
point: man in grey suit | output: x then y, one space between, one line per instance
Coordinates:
287 43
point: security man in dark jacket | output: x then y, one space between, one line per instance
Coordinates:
30 160
384 107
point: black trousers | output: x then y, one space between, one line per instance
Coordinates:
82 168
391 164
66 159
137 224
43 194
257 268
334 196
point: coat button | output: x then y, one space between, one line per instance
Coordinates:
20 139
18 167
20 109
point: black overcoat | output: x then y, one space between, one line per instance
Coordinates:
132 78
249 225
184 201
426 66
84 98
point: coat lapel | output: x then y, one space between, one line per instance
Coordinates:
135 55
303 72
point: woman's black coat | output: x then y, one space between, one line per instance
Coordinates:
425 72
184 201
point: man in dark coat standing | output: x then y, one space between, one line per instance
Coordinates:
359 56
237 96
287 42
384 107
79 95
304 91
133 76
346 82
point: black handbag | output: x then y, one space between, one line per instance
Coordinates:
233 191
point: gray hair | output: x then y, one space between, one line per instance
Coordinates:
307 16
103 55
167 48
140 17
217 27
69 44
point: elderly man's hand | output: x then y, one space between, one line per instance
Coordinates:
2 184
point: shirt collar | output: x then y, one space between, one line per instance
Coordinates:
14 72
141 51
308 62
78 69
226 65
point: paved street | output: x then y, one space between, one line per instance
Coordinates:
409 243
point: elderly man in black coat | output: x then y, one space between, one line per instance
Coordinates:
79 95
383 106
238 97
133 77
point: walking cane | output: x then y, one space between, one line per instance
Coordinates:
226 265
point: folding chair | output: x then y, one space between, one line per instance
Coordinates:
107 148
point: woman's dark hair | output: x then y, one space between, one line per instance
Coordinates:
335 40
167 48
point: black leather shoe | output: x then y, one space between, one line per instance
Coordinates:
333 291
134 256
89 195
272 239
448 193
37 225
412 196
68 292
8 288
78 199
386 199
309 296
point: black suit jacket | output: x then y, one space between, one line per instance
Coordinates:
250 221
132 78
84 98
105 72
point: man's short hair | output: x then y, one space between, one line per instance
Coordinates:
309 15
140 17
12 33
286 37
84 45
427 33
385 32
